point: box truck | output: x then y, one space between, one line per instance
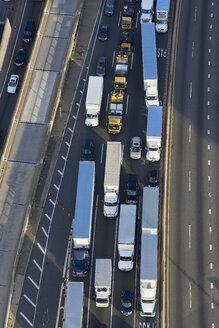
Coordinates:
93 100
74 304
112 178
83 218
126 237
148 275
154 133
150 210
149 60
162 15
102 281
147 11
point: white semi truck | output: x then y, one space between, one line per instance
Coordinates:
148 275
103 281
112 178
74 304
83 218
147 11
93 100
126 237
149 59
150 210
162 15
154 133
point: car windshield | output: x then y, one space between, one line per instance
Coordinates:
131 192
126 303
136 149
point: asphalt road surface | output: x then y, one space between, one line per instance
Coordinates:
42 295
193 220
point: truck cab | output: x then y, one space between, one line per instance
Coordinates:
80 262
116 96
126 23
126 47
119 83
111 205
147 11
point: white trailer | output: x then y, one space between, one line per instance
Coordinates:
93 100
154 133
126 237
103 280
148 275
150 210
162 15
149 59
112 178
74 304
83 218
147 11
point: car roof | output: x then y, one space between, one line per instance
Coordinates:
126 294
136 139
87 142
132 178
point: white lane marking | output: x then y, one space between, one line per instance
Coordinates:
33 282
190 178
48 217
209 89
44 231
212 325
190 90
210 38
67 255
212 3
51 201
212 285
41 248
212 15
119 18
92 259
211 266
211 26
210 229
28 321
208 117
209 178
209 211
61 173
127 104
81 91
55 186
114 53
67 144
195 16
29 300
107 102
70 130
190 295
209 50
209 132
35 262
136 24
113 275
209 63
101 156
193 46
209 194
190 133
132 58
212 305
78 103
208 103
59 306
210 247
209 147
63 157
189 235
209 76
209 162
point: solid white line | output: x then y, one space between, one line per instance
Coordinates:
190 132
190 181
51 201
61 173
55 186
47 216
136 24
190 90
41 248
114 265
189 236
44 231
190 295
29 300
127 104
35 262
33 282
114 53
28 321
101 155
92 259
59 307
132 59
63 157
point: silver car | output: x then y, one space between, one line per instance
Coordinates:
135 149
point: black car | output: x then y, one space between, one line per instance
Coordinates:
126 307
29 31
132 189
87 150
80 262
128 10
153 179
127 36
101 66
20 57
104 32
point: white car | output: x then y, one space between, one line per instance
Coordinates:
135 149
13 83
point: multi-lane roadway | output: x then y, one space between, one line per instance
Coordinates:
41 303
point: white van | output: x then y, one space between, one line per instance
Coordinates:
147 11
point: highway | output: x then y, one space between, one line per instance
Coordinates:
41 303
193 248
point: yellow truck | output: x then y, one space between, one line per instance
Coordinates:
116 96
119 83
126 47
126 23
115 117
